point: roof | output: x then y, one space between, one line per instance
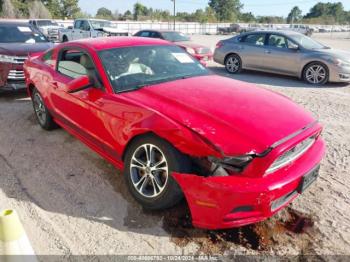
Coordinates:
13 22
281 31
101 43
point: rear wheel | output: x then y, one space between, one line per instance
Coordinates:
43 116
316 73
149 162
233 64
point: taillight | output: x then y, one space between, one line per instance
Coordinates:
219 44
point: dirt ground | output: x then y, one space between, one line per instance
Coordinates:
71 201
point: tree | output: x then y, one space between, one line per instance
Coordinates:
104 13
139 10
226 10
37 9
69 8
54 7
247 17
294 15
328 12
7 9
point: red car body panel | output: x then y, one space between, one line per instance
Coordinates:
201 116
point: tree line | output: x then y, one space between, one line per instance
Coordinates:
216 11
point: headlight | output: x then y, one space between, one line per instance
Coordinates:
191 51
341 63
235 164
7 59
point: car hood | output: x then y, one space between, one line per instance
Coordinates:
335 53
23 49
237 117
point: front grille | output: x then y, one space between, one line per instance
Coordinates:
19 59
292 154
16 75
203 51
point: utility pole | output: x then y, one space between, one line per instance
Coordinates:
174 13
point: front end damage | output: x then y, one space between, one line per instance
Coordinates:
221 196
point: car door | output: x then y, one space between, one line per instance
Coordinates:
281 55
251 50
83 112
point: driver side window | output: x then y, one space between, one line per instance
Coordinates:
75 63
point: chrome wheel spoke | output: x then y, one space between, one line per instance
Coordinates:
149 170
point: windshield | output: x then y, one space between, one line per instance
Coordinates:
20 34
307 42
46 23
135 67
175 37
96 24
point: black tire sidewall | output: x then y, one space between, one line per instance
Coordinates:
49 123
172 193
240 63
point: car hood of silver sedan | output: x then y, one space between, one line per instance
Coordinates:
335 53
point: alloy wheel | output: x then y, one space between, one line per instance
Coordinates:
316 74
233 64
149 170
39 108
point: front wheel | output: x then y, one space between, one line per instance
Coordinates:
316 74
149 162
233 64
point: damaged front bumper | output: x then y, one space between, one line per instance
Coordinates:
233 201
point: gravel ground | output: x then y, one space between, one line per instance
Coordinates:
71 201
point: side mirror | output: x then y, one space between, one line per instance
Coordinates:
78 84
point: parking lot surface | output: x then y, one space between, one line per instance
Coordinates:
71 201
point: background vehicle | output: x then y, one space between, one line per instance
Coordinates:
200 52
48 27
146 105
233 28
284 52
90 28
17 41
302 29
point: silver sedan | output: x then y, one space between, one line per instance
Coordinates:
284 52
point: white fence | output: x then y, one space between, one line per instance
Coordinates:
198 28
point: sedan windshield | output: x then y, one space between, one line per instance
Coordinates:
20 34
135 67
97 24
307 42
175 37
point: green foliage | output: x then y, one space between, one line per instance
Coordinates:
104 13
226 10
295 15
328 13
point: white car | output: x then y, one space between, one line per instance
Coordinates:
90 28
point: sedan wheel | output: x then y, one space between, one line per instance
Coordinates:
233 64
148 165
316 74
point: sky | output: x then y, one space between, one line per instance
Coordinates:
257 7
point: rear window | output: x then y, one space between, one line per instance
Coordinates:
20 34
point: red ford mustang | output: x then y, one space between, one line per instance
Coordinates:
236 152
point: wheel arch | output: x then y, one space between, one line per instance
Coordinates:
232 53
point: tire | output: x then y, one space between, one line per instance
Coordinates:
156 189
316 73
233 64
43 116
64 39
